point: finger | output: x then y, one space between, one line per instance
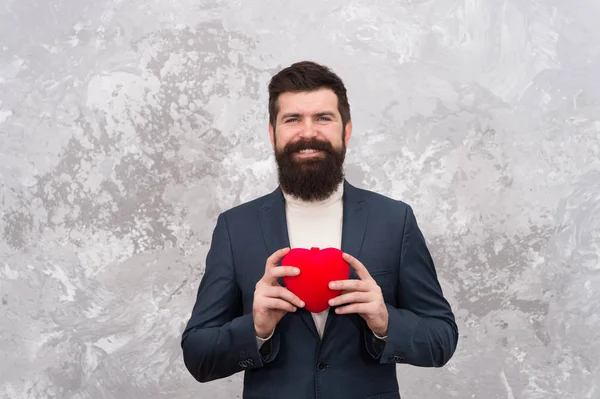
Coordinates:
276 257
285 294
271 263
278 304
349 285
359 268
360 308
283 271
351 297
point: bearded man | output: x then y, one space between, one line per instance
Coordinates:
391 310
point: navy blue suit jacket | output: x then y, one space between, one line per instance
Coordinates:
348 362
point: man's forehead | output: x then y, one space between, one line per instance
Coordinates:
308 102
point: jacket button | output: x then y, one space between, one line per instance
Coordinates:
321 366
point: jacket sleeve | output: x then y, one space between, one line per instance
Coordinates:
219 340
422 331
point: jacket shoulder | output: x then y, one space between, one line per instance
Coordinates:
381 201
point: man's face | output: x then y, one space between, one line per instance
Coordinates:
309 143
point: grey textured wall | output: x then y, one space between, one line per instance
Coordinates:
126 127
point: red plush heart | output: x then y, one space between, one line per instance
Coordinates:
318 267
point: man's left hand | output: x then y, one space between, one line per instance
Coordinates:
363 296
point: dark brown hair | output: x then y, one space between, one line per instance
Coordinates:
307 76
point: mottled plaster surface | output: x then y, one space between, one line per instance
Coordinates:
126 127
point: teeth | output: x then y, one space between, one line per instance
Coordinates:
307 151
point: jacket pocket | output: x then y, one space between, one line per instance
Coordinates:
385 279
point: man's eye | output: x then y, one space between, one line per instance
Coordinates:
292 120
324 118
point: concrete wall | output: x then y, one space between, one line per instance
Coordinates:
126 127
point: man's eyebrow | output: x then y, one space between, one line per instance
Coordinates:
297 115
326 113
291 115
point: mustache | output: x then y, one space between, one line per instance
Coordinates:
313 144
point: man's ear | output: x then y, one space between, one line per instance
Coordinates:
348 132
272 135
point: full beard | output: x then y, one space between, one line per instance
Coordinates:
311 179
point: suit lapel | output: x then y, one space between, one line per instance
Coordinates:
354 222
274 226
354 226
274 222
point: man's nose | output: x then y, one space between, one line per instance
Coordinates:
308 130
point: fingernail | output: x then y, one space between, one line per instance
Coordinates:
331 301
302 304
332 285
296 270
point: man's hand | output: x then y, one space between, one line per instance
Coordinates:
364 297
271 300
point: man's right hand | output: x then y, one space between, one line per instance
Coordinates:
271 300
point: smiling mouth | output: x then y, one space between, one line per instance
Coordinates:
307 153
